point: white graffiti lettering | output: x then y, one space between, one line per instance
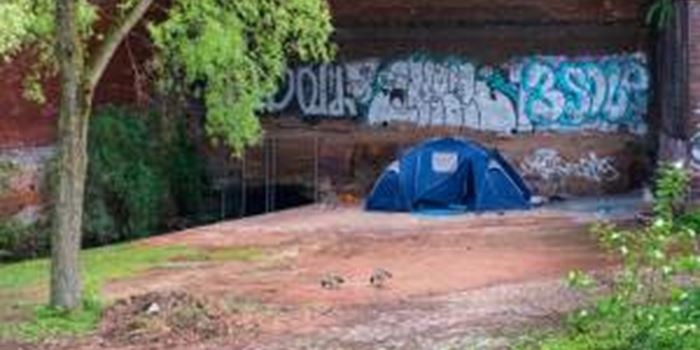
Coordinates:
695 150
426 92
553 93
326 90
546 164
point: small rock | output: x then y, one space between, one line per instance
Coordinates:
379 278
538 201
331 281
647 195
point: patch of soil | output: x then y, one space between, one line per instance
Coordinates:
169 319
11 346
432 260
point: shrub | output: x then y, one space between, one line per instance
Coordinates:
614 324
137 181
186 175
647 307
136 178
7 169
125 191
19 240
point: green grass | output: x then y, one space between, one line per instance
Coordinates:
24 285
244 254
46 322
99 265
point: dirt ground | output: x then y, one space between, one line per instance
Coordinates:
467 281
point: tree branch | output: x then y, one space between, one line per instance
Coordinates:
99 61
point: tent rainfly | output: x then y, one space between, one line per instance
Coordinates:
449 174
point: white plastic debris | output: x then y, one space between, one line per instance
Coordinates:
153 309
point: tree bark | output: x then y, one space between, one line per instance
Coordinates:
99 61
72 162
78 82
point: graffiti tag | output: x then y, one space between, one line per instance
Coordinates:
547 164
606 93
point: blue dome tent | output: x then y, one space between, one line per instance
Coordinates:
449 174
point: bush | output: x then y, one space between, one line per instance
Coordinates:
614 324
125 190
647 307
137 179
186 176
19 240
691 220
7 169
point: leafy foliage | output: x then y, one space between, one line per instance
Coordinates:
137 182
691 220
133 176
7 170
660 13
646 309
125 189
233 53
29 25
237 50
671 191
613 324
19 240
182 166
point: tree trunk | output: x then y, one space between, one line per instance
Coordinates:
72 162
78 82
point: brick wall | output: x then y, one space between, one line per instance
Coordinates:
382 12
352 156
488 30
26 124
492 35
485 31
28 130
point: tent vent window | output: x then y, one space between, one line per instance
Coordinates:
445 162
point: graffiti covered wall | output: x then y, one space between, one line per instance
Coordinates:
539 93
547 166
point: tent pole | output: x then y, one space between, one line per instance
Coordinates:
316 170
274 174
244 188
